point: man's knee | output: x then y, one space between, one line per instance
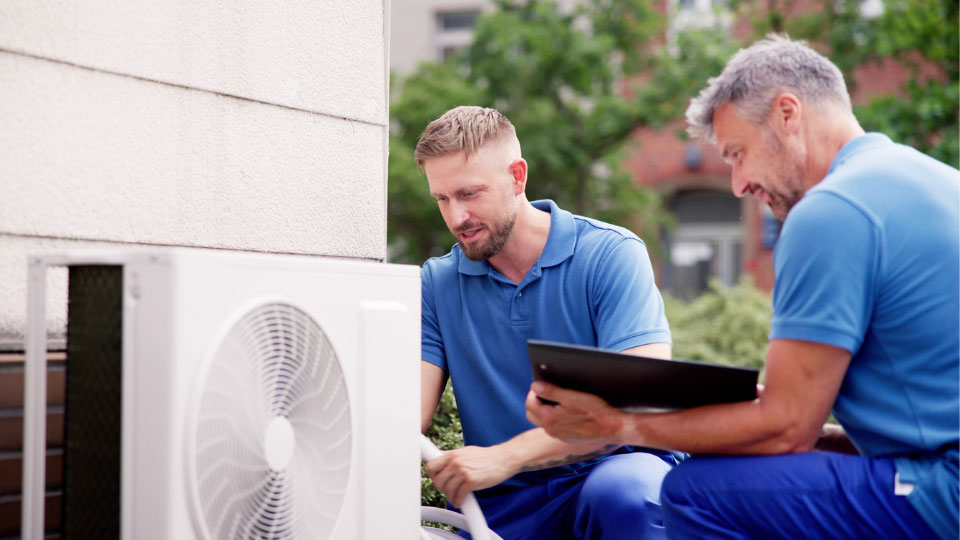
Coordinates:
676 486
625 486
685 482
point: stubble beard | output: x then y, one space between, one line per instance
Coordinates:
499 234
781 203
791 174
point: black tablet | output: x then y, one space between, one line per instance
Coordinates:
638 383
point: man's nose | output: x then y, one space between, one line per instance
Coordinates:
738 184
459 213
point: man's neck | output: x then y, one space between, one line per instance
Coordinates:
826 139
525 245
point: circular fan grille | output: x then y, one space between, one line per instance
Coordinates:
271 448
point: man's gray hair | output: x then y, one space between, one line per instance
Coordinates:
755 76
461 129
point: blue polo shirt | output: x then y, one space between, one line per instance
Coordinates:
869 261
592 285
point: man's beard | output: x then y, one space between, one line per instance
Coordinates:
499 233
791 173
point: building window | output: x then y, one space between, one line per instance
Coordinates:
871 9
454 31
696 14
457 20
707 243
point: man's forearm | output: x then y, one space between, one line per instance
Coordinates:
470 468
534 450
802 381
569 458
740 428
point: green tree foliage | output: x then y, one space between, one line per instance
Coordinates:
926 116
922 35
575 84
578 83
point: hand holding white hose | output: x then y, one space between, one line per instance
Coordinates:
472 519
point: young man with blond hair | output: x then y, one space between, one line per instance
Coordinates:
520 271
866 321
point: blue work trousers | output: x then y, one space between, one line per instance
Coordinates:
817 495
617 498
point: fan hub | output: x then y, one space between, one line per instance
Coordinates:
278 443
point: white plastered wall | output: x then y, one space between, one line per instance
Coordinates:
232 124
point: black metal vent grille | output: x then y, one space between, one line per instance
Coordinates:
91 494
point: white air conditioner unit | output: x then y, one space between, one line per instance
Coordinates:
224 395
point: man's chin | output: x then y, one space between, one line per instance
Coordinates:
475 255
778 209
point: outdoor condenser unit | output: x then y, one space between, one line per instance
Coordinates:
223 395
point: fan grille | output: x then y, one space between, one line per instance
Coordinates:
275 362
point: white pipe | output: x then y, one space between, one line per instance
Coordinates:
476 524
432 533
35 403
442 515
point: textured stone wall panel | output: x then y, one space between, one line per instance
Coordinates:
325 56
90 155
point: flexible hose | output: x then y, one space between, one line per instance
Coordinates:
432 533
472 519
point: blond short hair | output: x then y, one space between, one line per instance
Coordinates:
461 129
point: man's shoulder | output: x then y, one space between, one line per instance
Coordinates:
443 265
879 167
600 232
814 221
878 183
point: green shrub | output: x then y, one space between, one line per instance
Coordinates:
447 434
726 325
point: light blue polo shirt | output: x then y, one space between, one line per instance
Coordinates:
592 285
869 261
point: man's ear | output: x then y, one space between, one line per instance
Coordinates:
787 113
518 169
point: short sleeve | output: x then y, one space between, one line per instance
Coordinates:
431 342
628 308
825 264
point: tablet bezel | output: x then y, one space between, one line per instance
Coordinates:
639 383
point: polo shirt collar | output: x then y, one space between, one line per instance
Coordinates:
563 234
560 243
857 145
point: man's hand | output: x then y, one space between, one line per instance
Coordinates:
834 439
458 472
578 417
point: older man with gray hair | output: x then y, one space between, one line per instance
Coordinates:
866 316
